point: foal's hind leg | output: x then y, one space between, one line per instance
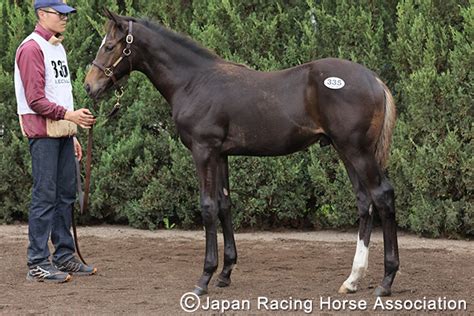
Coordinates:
382 196
384 201
225 216
361 257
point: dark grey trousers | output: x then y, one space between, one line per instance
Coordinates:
53 196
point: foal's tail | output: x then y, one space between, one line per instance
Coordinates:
382 147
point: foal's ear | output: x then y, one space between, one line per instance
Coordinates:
115 18
110 15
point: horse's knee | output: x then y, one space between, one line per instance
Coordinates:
208 211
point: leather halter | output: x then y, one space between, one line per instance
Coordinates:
109 71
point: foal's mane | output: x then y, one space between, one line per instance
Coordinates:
178 38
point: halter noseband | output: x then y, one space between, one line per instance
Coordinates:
109 71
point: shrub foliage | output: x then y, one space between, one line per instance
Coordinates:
143 176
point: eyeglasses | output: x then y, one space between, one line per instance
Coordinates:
62 16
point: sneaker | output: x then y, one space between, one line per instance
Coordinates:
47 273
75 267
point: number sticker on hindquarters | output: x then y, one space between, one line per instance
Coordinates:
334 83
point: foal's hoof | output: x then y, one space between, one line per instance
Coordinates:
222 282
345 290
199 291
381 291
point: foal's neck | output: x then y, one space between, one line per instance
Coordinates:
170 60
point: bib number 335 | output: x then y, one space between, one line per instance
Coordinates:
60 68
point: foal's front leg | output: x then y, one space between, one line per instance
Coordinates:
206 165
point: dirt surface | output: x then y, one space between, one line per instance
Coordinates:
147 273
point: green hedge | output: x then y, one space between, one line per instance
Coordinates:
143 176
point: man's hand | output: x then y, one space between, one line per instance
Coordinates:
77 149
82 117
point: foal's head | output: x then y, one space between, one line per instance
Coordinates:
113 59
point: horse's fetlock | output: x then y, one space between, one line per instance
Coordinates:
392 265
230 258
210 266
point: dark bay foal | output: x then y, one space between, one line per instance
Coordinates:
221 108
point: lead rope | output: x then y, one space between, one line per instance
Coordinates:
74 231
84 197
88 170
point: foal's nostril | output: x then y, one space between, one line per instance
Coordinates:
87 87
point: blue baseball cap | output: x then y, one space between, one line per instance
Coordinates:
57 5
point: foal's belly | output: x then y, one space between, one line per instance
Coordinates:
265 143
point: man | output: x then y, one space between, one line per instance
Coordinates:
47 117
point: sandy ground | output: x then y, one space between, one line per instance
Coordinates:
298 273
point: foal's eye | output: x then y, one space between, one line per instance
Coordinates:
108 48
